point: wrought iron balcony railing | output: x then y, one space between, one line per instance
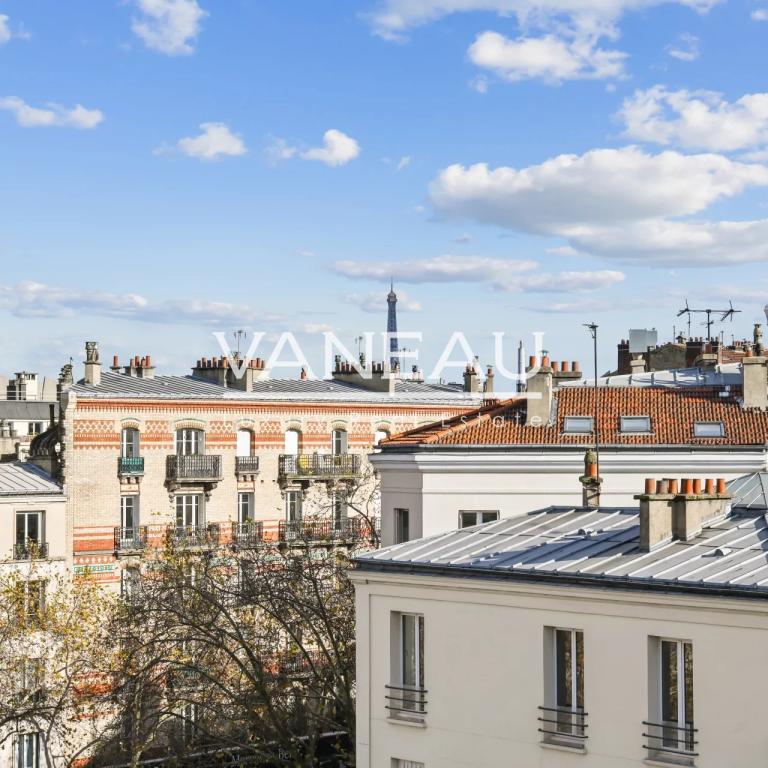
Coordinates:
195 535
30 550
248 533
246 465
563 724
406 701
130 465
668 742
346 529
318 466
301 662
191 469
130 539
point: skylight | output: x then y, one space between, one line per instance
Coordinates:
635 424
708 429
578 424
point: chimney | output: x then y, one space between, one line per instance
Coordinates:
471 377
303 374
590 482
145 369
655 514
115 367
757 339
637 364
539 391
92 364
754 372
692 509
488 387
565 371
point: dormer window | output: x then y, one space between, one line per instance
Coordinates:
708 429
578 425
635 425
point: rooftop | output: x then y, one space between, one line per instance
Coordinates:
728 374
27 410
19 478
597 547
672 411
115 385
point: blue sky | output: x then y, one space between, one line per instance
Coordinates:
175 167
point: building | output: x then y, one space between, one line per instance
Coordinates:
607 637
208 458
508 457
28 409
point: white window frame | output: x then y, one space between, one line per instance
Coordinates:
406 694
563 722
130 443
242 449
292 444
244 507
402 520
339 442
190 441
626 429
293 509
28 743
189 507
698 425
479 514
570 425
26 516
379 435
129 504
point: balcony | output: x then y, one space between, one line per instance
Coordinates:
248 533
670 743
194 535
131 539
406 702
130 466
30 550
349 529
246 465
318 466
197 469
301 662
563 725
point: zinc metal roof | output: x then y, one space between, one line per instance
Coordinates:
18 478
750 491
188 387
593 546
27 410
727 374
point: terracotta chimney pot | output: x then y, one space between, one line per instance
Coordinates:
709 486
555 367
575 366
565 366
721 485
696 485
672 483
650 485
687 484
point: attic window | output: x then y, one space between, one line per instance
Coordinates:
635 424
578 424
708 429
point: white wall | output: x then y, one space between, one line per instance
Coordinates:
484 662
436 485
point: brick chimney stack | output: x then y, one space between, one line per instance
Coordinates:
590 482
539 391
472 377
754 372
92 364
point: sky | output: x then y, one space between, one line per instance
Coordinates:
174 168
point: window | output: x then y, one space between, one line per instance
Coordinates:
129 515
406 696
402 526
634 424
671 731
29 535
32 596
129 443
563 713
339 509
188 511
708 429
339 442
34 427
293 506
31 677
578 424
292 442
190 442
468 518
27 751
397 763
130 579
189 715
243 442
379 435
244 507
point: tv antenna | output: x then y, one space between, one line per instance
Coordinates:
240 334
725 314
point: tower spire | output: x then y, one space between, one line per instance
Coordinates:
392 325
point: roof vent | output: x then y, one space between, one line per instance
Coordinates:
721 552
585 532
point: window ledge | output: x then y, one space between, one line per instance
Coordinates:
578 749
667 762
407 721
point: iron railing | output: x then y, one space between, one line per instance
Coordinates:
246 465
130 465
30 550
301 662
193 468
563 724
130 539
318 466
406 701
345 529
249 532
667 741
195 535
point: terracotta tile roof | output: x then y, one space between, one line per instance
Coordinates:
672 412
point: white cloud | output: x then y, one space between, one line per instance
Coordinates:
603 186
686 48
403 162
305 254
31 299
376 301
214 141
5 30
551 57
169 26
564 282
479 84
760 14
51 115
563 250
582 306
278 151
696 119
337 149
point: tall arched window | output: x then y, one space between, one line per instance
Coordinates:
292 442
129 443
339 442
244 442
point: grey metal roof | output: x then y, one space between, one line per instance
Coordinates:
750 491
593 547
27 410
18 478
188 387
728 374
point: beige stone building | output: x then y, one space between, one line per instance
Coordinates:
210 458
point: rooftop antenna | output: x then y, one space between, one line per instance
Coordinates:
592 328
239 334
725 314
